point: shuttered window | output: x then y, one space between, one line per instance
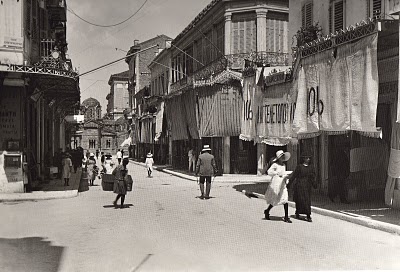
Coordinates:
244 34
221 38
307 14
336 15
374 8
277 33
189 60
199 53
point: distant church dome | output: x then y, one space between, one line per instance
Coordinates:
90 102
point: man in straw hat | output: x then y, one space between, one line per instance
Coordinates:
149 164
206 168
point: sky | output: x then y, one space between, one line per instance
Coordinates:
90 46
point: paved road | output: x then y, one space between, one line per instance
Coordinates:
166 228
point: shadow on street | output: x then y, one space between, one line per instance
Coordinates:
29 254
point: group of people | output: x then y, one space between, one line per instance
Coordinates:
301 180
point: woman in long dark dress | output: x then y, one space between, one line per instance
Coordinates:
303 178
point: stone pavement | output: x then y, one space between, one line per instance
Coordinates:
51 189
372 214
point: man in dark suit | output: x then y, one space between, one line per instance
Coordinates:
206 168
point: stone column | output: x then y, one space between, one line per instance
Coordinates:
228 31
261 30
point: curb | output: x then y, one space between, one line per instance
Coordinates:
15 197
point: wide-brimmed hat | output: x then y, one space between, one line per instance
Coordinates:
91 155
149 155
206 148
284 155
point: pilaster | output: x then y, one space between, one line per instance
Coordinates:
261 30
228 31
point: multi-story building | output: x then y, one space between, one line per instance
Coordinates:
344 56
118 98
204 105
39 88
139 90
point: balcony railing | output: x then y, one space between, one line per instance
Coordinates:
53 56
238 61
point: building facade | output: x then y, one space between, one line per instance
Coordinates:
205 103
118 98
39 88
346 32
139 91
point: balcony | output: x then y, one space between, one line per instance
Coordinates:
238 62
57 10
52 55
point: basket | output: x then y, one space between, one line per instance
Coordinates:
107 182
129 183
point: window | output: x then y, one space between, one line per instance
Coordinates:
92 143
374 8
307 14
189 60
336 15
244 33
108 143
199 53
221 38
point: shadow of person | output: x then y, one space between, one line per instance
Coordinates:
118 206
274 218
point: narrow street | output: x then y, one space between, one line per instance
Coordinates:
166 228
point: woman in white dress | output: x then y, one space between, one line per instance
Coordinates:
277 193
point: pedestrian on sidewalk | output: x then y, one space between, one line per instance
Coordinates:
337 185
206 168
66 168
120 185
119 156
91 169
149 164
277 193
301 180
192 160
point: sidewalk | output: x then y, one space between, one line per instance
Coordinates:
369 214
51 189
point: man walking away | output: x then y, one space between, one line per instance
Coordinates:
192 160
206 168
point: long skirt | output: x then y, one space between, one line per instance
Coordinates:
277 193
302 197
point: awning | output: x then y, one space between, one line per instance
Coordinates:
126 142
220 78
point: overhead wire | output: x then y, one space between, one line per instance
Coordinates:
112 25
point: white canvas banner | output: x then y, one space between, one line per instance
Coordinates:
275 120
338 89
252 98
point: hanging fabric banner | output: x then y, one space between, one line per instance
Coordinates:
159 121
275 120
338 89
252 95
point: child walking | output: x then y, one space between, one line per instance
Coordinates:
149 164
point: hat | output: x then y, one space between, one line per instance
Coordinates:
67 155
206 148
280 153
149 155
91 155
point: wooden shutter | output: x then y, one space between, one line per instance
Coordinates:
277 32
338 15
376 8
235 37
244 34
330 19
221 38
307 14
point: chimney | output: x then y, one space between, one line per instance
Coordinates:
135 42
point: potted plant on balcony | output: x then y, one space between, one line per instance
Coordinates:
308 34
